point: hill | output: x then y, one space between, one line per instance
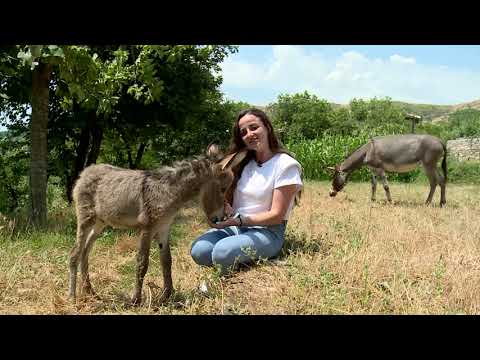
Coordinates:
433 113
429 112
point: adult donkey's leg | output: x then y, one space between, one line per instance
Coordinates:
431 173
374 187
142 264
442 181
386 187
92 236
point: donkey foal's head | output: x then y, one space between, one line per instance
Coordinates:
213 192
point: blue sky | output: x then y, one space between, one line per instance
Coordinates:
426 74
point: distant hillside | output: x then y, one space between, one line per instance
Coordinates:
429 112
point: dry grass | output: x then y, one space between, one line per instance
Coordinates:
342 256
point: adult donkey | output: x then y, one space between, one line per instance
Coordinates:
146 200
396 153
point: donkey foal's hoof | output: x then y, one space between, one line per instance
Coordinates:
136 301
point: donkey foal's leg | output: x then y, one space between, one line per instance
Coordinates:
83 228
166 260
92 236
142 265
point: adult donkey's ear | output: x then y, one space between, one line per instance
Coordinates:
234 159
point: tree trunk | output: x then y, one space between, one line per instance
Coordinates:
82 150
96 141
138 158
87 151
131 164
38 135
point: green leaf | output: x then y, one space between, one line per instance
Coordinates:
25 56
54 60
36 50
55 50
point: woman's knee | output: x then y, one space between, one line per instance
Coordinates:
227 255
201 252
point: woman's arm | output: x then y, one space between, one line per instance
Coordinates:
282 197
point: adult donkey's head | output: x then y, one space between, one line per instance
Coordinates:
212 196
339 180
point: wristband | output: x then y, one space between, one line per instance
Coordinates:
239 217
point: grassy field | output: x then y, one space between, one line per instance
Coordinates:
342 256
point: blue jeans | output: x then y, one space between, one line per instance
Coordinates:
235 245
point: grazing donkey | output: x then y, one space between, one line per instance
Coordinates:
146 200
396 153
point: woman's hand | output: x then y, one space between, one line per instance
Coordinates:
228 210
229 222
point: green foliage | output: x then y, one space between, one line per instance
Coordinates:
14 160
426 111
461 123
301 116
463 171
188 111
31 55
305 116
464 123
212 125
441 130
459 172
379 114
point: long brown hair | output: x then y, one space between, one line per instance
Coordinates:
237 144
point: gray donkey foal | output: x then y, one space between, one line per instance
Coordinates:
147 200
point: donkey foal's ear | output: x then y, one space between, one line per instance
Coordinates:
213 152
234 159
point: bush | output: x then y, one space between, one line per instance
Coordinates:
463 171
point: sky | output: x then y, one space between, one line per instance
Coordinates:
422 74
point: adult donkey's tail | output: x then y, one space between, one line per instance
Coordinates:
444 161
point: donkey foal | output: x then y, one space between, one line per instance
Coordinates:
105 195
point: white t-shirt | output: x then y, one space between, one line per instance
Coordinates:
254 192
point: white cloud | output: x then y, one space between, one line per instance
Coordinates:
352 74
241 74
398 59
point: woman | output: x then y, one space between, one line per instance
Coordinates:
259 202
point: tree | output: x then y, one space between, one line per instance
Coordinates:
186 98
41 60
30 78
301 116
378 116
129 100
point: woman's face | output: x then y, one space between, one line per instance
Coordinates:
254 134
